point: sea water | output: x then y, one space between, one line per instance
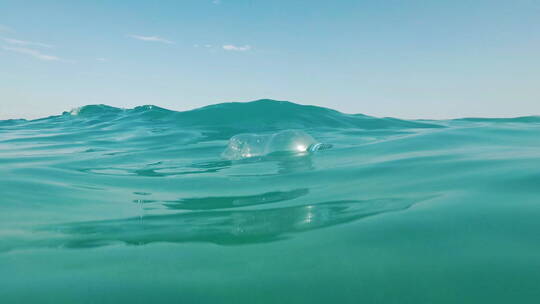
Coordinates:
238 203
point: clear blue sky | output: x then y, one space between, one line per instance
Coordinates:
409 59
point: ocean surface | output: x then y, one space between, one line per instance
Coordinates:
268 202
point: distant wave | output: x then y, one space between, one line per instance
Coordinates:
257 115
264 114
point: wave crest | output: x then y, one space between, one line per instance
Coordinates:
255 116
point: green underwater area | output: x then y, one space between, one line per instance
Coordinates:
109 205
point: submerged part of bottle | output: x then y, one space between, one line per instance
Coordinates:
252 145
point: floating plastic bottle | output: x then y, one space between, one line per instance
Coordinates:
253 145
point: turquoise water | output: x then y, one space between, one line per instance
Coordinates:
145 205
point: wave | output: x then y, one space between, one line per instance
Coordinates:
255 116
259 115
522 119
